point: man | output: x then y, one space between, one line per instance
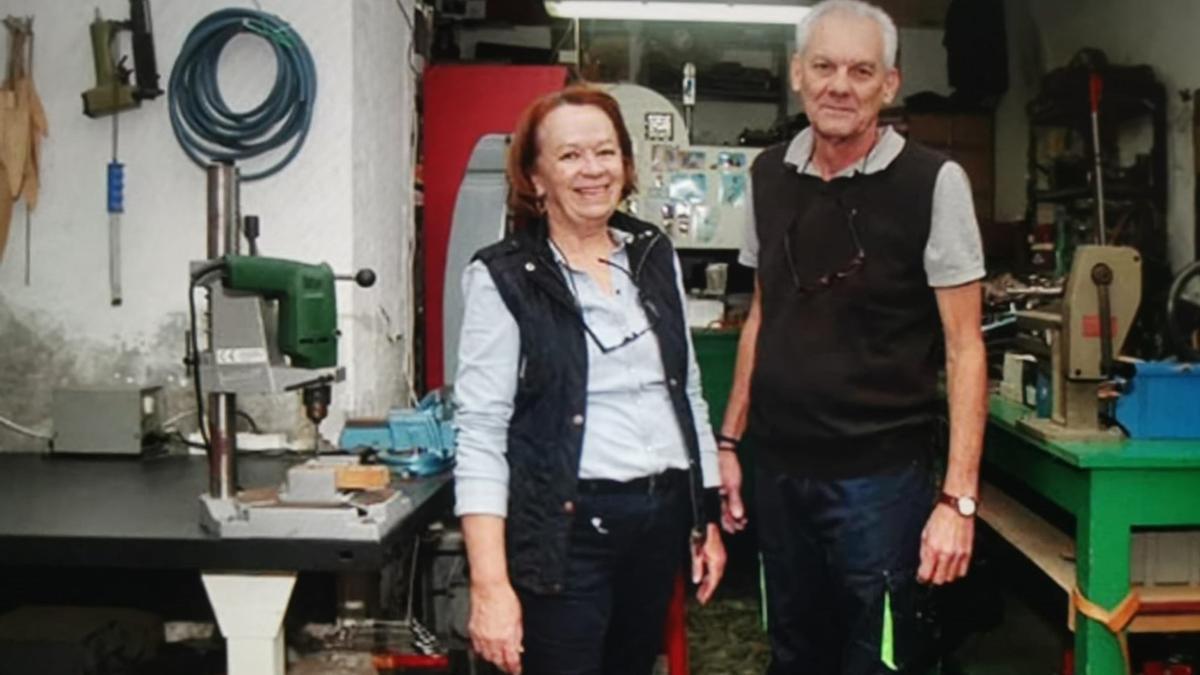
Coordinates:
868 259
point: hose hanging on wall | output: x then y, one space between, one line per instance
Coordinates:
207 129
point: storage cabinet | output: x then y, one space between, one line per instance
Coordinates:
967 138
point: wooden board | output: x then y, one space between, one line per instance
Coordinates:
1165 609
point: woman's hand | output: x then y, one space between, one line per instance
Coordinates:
495 625
708 563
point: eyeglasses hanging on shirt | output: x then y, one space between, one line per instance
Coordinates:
648 306
857 260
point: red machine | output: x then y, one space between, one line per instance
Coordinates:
462 103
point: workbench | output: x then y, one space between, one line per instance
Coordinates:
1109 487
145 513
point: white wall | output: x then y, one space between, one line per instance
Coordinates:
922 62
344 200
1160 33
384 118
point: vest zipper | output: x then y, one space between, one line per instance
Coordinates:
698 532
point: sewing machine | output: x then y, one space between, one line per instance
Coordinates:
1083 336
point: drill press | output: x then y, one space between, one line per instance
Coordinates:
272 329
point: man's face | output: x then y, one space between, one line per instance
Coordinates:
841 78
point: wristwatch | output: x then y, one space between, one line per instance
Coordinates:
965 506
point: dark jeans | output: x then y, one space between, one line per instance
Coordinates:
624 553
832 550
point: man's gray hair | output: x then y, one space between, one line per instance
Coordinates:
887 27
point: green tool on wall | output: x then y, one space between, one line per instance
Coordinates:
112 94
113 91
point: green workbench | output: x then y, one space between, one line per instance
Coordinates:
716 354
1109 487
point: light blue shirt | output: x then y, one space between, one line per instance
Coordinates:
630 430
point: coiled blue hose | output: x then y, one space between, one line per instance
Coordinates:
207 129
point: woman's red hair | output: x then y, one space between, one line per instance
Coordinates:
523 152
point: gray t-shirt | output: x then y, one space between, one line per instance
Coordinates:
953 253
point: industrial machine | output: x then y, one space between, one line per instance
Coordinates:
1084 336
697 194
107 420
272 329
113 91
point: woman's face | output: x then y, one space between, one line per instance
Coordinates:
578 173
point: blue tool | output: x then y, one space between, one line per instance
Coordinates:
116 206
413 442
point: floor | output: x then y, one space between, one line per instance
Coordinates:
1002 633
1006 618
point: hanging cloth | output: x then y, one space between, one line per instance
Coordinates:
23 125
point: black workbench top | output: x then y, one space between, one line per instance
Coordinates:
145 513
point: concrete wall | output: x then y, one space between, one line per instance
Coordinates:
345 200
1025 69
1161 34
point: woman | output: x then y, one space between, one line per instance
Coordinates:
585 458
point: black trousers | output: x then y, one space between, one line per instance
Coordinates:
838 556
625 550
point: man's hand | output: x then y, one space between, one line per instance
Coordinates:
733 512
946 544
708 563
495 625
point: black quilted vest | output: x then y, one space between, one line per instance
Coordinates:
545 434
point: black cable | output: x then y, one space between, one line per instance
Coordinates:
249 420
196 277
174 436
412 37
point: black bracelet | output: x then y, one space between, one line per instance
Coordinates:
722 438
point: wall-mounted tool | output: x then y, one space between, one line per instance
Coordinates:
113 91
22 126
112 94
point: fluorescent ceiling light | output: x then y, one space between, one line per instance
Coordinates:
664 10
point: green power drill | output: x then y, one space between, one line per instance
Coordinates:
306 327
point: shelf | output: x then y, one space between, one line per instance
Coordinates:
1081 115
702 95
1111 193
1165 609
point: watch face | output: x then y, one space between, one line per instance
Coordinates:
967 506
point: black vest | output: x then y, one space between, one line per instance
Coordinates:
545 434
845 377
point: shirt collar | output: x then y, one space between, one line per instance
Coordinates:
800 151
619 238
